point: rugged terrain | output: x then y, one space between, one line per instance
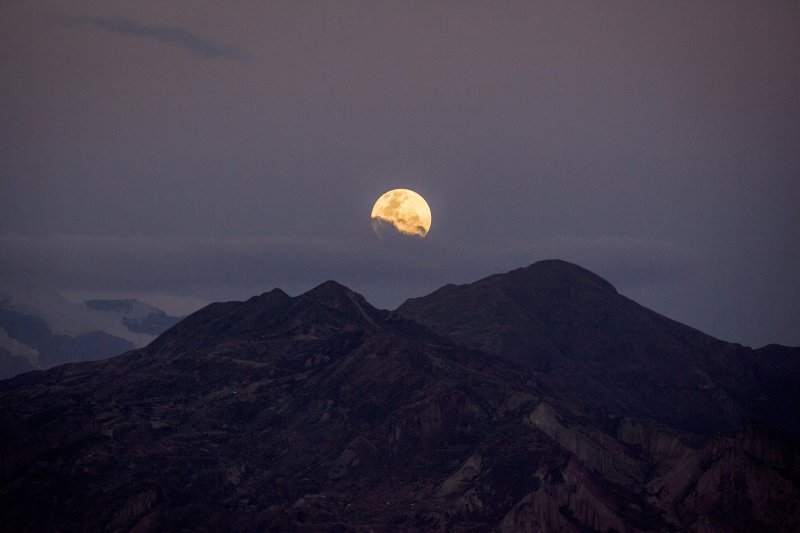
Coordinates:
535 400
586 342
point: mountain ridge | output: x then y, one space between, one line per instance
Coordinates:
320 412
562 321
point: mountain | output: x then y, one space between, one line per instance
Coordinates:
11 365
28 343
586 342
40 329
135 315
322 413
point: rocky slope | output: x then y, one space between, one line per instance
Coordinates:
320 412
585 341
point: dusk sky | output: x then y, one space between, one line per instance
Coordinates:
186 152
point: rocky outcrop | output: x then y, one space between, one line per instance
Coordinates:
570 503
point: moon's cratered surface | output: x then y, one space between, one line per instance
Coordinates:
402 210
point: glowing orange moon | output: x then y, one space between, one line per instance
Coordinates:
402 210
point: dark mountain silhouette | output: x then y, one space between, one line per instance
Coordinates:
320 412
588 343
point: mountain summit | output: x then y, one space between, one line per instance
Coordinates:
537 399
586 342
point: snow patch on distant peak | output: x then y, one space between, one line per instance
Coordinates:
14 347
71 318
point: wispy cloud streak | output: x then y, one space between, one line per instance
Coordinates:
189 41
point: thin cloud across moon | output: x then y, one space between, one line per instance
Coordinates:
402 211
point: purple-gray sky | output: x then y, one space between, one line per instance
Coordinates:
192 151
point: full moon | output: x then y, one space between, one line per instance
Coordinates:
402 210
